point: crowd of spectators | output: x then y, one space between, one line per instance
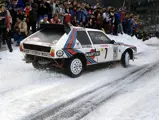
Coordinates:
26 15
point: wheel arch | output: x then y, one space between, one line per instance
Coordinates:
130 51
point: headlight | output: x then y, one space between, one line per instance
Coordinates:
59 53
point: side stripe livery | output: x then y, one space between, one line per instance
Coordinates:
70 43
69 47
71 52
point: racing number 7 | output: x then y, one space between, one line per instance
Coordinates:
106 51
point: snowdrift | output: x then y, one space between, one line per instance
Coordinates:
153 40
126 39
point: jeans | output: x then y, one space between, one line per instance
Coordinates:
120 28
18 38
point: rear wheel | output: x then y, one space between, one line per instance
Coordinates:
125 59
74 67
37 65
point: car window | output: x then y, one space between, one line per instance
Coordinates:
82 37
98 37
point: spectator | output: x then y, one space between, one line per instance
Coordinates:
91 21
55 20
20 30
44 20
122 15
52 7
67 18
99 21
130 25
116 22
28 10
61 13
5 26
106 21
74 21
33 15
84 14
113 20
44 8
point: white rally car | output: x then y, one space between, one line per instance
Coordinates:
73 48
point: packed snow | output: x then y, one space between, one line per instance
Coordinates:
25 90
138 101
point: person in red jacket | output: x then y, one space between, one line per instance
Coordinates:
27 10
67 17
55 20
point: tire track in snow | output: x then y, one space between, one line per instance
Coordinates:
82 105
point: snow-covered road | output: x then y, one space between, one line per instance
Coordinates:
105 93
137 101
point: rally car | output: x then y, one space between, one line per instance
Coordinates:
73 49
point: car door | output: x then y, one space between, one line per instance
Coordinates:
103 45
87 47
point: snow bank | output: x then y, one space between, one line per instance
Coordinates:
152 40
126 39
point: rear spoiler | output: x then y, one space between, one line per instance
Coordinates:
57 27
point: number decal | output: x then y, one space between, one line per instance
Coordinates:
106 51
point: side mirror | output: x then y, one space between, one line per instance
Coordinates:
112 42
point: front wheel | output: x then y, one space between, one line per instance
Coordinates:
74 67
125 59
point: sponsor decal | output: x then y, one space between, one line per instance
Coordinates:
102 49
95 53
59 53
104 46
86 46
90 60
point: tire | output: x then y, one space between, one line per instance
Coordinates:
37 65
125 59
74 67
